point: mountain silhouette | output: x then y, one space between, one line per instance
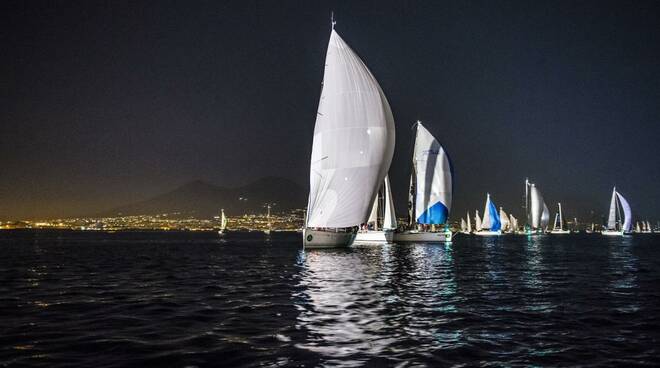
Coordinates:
201 199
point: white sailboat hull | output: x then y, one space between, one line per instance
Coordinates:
612 232
488 233
422 237
329 238
560 232
371 236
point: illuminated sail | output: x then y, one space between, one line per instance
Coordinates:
433 179
491 220
627 213
353 141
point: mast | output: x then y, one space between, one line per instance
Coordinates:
561 218
527 212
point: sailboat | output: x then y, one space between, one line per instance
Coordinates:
382 220
514 224
351 151
491 224
430 191
477 220
558 226
647 227
616 224
638 229
536 210
469 224
506 222
223 222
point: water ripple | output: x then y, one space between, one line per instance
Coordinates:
189 299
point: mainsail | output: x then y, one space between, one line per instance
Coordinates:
389 222
469 223
223 220
611 218
353 141
433 171
477 220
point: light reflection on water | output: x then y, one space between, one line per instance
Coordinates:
195 300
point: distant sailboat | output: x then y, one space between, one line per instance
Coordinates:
506 222
223 222
430 191
616 223
638 229
352 149
647 227
514 224
477 220
382 220
545 218
558 226
469 223
463 226
537 212
491 224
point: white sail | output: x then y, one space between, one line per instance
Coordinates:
638 228
373 215
627 213
433 179
558 224
389 222
353 141
491 220
477 220
611 218
469 223
536 206
648 226
506 223
514 223
463 225
545 217
223 220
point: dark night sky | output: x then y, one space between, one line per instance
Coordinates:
105 103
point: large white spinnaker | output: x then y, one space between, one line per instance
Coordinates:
536 206
353 141
433 179
627 213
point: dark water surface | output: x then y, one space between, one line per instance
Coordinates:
190 299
